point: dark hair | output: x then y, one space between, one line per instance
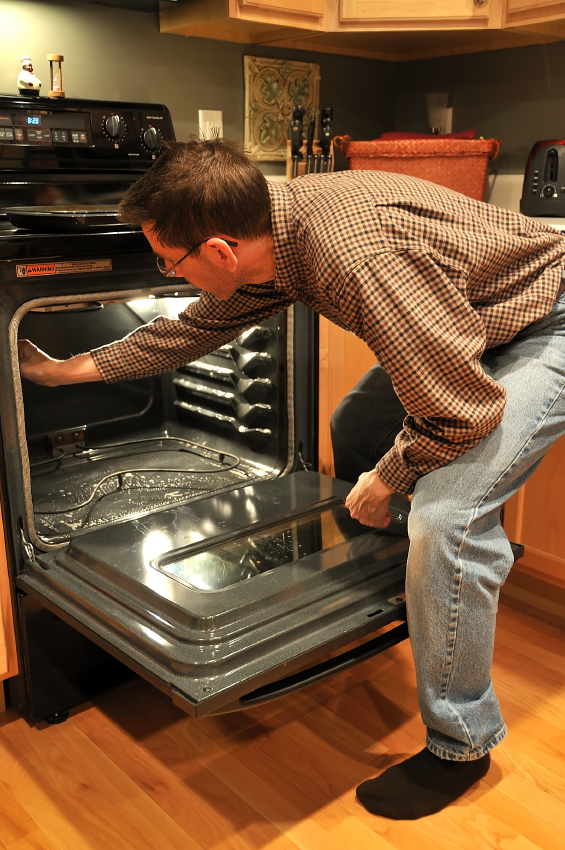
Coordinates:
200 189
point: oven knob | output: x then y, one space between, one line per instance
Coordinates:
152 139
114 127
548 191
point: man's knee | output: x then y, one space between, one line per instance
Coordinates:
436 524
365 424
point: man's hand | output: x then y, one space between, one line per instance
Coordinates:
368 501
38 367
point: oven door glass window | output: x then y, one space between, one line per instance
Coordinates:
246 557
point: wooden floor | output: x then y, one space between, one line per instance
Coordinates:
134 772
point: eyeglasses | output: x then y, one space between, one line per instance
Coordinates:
171 270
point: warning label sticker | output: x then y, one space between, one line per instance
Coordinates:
70 267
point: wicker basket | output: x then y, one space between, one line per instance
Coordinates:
459 164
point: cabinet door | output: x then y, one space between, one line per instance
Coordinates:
405 11
524 12
532 5
8 658
534 517
344 359
316 8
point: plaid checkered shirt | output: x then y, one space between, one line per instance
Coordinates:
427 277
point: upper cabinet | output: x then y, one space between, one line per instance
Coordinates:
388 13
248 21
534 12
313 8
381 29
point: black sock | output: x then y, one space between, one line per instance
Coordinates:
420 786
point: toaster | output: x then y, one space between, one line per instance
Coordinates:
543 192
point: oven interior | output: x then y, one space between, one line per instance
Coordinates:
102 453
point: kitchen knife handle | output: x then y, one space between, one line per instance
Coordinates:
296 138
295 145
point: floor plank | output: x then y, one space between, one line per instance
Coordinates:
132 771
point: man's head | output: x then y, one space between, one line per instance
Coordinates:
197 190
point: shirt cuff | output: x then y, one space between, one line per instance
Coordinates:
394 472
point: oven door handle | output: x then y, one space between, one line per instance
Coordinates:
326 668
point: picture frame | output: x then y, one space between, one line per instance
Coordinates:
272 88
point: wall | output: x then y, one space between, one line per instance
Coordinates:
116 54
517 95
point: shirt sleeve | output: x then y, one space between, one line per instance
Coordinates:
430 340
204 326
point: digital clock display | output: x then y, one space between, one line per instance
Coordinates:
33 119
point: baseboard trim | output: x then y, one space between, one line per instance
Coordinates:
535 591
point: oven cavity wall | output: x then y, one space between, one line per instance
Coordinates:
96 454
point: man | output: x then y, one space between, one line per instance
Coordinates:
460 301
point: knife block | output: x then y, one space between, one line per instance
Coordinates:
302 163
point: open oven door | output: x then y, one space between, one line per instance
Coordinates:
229 601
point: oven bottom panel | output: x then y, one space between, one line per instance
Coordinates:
140 474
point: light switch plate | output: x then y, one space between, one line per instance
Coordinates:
210 123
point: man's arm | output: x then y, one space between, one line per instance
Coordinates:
429 339
207 324
38 367
162 344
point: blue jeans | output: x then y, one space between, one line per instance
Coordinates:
459 554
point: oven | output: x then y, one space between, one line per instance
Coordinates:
172 527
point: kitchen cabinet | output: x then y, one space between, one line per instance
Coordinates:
8 658
395 30
462 13
248 21
524 12
534 517
315 8
344 359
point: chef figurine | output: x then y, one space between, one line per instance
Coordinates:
27 81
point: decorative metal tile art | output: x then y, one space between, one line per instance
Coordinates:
272 88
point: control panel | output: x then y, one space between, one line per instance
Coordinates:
75 131
44 128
